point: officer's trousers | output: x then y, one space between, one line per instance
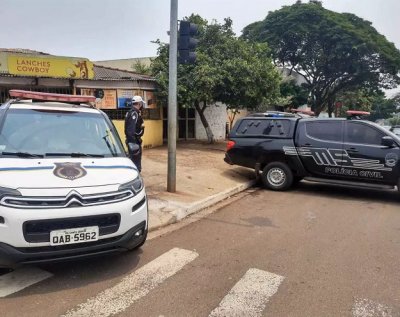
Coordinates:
137 158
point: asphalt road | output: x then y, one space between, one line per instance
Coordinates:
317 250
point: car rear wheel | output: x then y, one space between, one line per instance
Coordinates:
277 176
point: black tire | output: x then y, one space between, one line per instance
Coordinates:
277 176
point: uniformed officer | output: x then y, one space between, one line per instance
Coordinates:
134 129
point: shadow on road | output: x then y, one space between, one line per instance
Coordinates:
345 192
80 273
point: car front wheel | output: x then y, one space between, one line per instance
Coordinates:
277 176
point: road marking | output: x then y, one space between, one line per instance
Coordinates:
368 308
134 286
250 295
19 279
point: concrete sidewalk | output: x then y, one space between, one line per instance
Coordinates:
202 179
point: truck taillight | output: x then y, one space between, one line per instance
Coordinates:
230 145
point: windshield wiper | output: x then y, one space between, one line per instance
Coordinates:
75 154
112 148
22 154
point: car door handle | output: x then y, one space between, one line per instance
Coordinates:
352 150
307 145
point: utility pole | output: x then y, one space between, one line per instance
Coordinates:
172 97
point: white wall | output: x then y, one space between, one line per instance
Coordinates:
297 77
217 118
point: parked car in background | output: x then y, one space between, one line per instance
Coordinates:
67 188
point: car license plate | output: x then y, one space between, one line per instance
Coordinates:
77 235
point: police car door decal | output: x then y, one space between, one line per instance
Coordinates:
339 162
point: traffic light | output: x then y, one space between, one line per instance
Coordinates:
187 43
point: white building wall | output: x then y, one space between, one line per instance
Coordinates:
217 117
293 75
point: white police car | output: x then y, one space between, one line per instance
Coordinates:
67 188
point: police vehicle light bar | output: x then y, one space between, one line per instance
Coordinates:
44 96
357 113
307 112
272 114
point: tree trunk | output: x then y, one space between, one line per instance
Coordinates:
320 106
232 116
200 111
330 106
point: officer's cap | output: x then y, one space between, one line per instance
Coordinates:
137 99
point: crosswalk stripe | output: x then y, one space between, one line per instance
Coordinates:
134 286
369 308
19 279
250 295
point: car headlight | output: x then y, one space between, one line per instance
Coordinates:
8 192
136 185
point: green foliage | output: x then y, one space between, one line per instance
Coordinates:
294 94
334 52
141 68
228 70
375 102
394 121
360 99
383 108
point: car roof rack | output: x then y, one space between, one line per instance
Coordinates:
44 96
273 114
356 114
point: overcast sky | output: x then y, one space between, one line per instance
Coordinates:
114 29
118 29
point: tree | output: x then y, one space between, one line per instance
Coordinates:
394 121
296 95
227 70
360 99
334 52
141 68
383 108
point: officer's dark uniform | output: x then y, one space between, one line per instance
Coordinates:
134 131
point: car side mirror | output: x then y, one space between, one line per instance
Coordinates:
388 141
133 148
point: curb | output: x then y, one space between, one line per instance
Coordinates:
183 212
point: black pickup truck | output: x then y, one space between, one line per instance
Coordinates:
284 149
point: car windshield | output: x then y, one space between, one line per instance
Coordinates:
41 133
